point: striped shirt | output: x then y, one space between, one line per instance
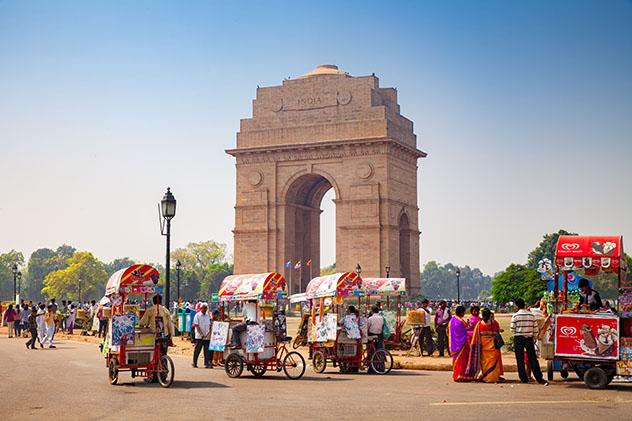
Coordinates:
523 323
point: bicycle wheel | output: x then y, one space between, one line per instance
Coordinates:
294 365
319 362
113 371
381 361
234 365
166 371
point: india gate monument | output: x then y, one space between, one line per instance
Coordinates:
327 129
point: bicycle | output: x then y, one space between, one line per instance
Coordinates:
377 360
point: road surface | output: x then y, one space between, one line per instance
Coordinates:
70 382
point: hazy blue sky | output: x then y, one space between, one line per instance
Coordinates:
524 107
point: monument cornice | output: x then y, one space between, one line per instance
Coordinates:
325 150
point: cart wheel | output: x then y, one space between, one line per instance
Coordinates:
258 370
294 365
564 374
319 362
381 361
166 372
549 371
113 371
596 378
234 366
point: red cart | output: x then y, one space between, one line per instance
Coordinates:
597 345
127 347
388 288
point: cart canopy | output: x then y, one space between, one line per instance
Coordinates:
266 286
590 252
337 285
136 279
384 286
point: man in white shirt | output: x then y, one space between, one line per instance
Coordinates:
202 326
525 328
375 325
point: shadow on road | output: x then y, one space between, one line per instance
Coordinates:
189 384
405 373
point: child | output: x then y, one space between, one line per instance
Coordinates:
32 328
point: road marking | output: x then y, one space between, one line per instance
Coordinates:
566 402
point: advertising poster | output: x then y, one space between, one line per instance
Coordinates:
587 336
123 327
255 338
219 336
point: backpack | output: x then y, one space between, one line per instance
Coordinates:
386 331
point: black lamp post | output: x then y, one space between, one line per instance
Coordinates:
15 277
168 211
388 271
178 267
458 284
19 283
358 269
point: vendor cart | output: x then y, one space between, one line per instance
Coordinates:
264 345
347 347
597 345
389 289
128 347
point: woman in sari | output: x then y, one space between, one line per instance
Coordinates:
484 357
472 321
459 345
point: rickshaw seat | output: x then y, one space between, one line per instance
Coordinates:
286 339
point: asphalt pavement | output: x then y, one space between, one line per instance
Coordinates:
70 382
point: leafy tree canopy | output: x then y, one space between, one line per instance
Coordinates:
439 281
83 278
546 248
7 260
204 266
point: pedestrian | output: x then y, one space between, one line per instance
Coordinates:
49 322
442 318
473 320
63 315
525 328
426 330
202 327
70 320
103 322
485 357
17 321
41 325
217 355
32 328
24 319
459 345
9 320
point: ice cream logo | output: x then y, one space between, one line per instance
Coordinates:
570 246
568 330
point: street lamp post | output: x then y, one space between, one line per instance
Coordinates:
15 277
19 284
388 271
168 211
458 285
178 267
358 269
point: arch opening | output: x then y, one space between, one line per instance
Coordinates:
303 211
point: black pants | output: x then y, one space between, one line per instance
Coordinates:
202 345
442 339
425 340
31 342
103 327
522 344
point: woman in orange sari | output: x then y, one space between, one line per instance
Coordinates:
459 345
485 360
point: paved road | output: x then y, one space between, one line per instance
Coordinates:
70 382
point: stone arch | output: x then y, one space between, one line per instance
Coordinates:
403 226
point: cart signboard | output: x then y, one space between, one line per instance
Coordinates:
582 336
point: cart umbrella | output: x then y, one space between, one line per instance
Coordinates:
337 285
136 279
266 286
590 252
385 287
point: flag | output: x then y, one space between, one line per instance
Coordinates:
288 264
297 265
308 263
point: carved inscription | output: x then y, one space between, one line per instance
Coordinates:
309 101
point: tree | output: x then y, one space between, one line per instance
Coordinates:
546 248
118 264
204 266
84 278
518 281
7 260
39 266
439 281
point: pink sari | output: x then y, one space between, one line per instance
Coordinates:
459 348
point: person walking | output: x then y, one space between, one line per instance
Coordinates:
24 319
70 320
41 325
32 328
426 330
9 320
49 322
525 328
202 326
442 318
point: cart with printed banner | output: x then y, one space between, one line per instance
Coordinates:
596 344
263 343
127 347
389 289
342 340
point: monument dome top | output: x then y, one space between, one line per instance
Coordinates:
325 69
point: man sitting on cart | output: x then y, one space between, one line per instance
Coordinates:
588 297
251 317
158 320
